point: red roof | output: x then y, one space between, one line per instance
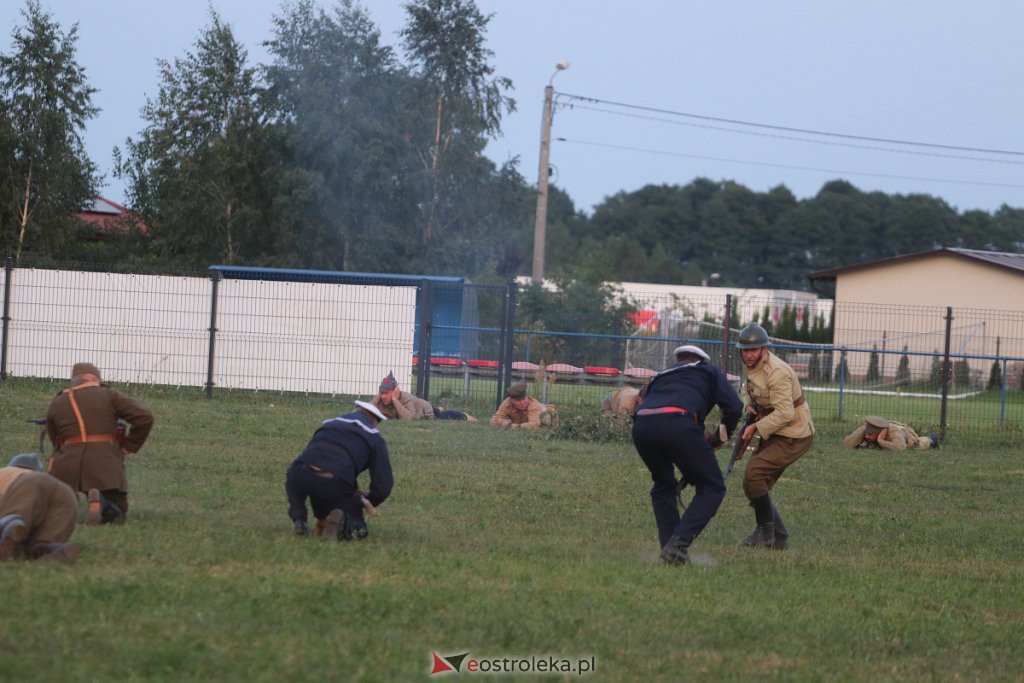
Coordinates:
110 218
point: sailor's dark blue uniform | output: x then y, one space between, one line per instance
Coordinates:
327 471
667 438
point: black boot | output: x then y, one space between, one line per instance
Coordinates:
65 553
674 551
110 513
781 535
12 534
764 535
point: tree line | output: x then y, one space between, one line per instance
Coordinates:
345 153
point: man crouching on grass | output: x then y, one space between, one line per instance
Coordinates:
327 473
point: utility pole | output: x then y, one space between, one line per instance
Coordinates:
541 223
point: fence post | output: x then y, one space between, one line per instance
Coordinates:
215 277
947 370
842 379
425 311
510 320
1002 396
8 269
506 341
725 333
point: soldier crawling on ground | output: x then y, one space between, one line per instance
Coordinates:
889 435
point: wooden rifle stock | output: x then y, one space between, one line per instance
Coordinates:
739 445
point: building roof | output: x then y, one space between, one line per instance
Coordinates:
107 218
1002 259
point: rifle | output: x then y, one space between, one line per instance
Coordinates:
739 445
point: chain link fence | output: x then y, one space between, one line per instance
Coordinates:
457 344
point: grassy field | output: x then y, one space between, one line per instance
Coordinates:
903 567
983 411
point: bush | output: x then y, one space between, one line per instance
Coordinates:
995 376
962 373
872 375
590 427
935 374
903 370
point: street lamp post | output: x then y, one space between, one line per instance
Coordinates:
540 224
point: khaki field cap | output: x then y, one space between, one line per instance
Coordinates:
85 369
517 391
875 423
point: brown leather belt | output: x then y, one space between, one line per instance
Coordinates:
89 438
761 412
662 411
319 472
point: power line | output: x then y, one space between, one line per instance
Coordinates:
806 131
777 136
788 166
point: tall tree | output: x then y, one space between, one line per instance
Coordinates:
197 170
445 42
339 98
45 101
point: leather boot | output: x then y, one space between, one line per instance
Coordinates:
110 513
675 551
299 527
764 535
65 553
335 527
12 535
94 512
781 535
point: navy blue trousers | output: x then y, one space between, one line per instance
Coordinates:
324 495
672 441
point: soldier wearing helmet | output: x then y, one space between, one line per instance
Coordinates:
784 425
37 512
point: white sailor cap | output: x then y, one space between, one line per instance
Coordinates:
372 409
690 348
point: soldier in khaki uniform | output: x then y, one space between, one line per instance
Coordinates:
621 402
889 435
518 411
784 425
396 404
37 512
82 422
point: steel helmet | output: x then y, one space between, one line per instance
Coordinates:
753 336
28 461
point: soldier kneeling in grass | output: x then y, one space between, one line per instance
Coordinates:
327 473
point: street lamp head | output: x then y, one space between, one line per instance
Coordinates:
562 65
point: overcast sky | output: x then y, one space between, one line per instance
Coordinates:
943 72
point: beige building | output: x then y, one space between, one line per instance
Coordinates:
902 301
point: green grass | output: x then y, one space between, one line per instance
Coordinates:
985 411
903 566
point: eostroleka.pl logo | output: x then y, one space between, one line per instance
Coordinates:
512 665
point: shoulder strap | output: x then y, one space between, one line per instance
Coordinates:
70 391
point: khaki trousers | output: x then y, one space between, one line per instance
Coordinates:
770 460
